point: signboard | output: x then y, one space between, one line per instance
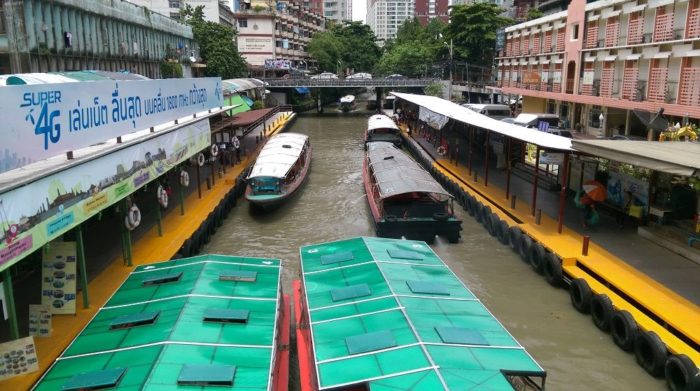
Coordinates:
39 320
434 120
530 77
554 158
272 63
57 203
588 77
18 357
45 120
619 184
58 276
255 44
543 126
500 38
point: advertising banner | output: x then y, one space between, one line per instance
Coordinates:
45 120
58 276
434 120
280 63
555 158
39 320
531 77
31 216
256 44
18 357
619 184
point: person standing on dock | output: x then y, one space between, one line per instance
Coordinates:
237 147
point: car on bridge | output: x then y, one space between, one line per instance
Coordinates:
396 76
325 75
360 75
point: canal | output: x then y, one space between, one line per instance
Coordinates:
331 206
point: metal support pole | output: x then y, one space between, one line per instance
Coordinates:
562 194
508 168
159 217
126 237
213 173
471 149
534 182
10 299
486 159
199 183
181 190
586 242
81 264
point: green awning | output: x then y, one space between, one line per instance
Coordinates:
234 100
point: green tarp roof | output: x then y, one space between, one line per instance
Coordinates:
390 313
154 354
234 100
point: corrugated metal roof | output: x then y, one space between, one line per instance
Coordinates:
381 121
415 326
154 354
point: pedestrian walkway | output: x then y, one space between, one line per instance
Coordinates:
151 247
655 285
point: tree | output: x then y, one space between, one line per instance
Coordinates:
351 44
434 89
414 49
472 29
534 13
326 48
216 45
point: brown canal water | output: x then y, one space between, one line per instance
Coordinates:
332 206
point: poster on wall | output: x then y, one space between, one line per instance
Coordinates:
17 358
46 120
39 320
41 212
433 119
619 184
58 277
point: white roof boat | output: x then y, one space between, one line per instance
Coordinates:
278 155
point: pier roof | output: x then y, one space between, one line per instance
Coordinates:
191 319
462 114
677 158
390 314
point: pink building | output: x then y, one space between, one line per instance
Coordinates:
430 9
607 57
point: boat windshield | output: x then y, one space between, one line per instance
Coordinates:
265 185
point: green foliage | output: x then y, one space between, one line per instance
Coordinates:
415 48
258 104
216 45
472 29
170 70
534 13
347 45
434 89
259 8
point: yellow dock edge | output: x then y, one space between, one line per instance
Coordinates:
150 248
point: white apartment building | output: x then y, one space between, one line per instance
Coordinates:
338 10
218 11
385 16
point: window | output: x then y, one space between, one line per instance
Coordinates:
174 3
574 32
175 15
594 117
242 23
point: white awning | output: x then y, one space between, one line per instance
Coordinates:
593 18
558 61
661 55
692 53
610 58
634 9
609 14
544 62
464 115
589 59
632 56
676 158
659 3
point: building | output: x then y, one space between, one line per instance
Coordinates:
386 16
605 66
277 38
425 10
218 11
62 35
338 10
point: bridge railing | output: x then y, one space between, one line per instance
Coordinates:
348 82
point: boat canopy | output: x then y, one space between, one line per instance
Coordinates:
444 109
211 314
380 121
278 155
347 99
389 314
396 173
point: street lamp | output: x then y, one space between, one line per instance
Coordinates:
601 118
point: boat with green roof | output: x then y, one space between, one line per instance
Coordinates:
210 320
386 314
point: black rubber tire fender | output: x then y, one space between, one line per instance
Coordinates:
485 213
502 232
478 211
514 234
624 329
651 353
471 206
492 226
524 247
537 256
552 270
441 216
602 311
186 248
581 295
681 374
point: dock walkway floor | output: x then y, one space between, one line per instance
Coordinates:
620 263
148 249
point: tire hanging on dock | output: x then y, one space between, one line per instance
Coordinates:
524 247
602 311
514 234
537 257
552 270
651 353
681 374
502 232
624 329
581 295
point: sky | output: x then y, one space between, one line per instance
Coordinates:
359 10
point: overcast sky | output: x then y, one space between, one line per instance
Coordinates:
359 10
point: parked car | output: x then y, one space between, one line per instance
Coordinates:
396 76
532 120
360 75
490 110
508 120
560 132
325 75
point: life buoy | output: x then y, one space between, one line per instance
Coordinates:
133 218
524 248
581 295
624 329
214 150
441 150
537 255
184 178
552 270
162 197
236 143
514 234
201 159
650 352
602 311
681 373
